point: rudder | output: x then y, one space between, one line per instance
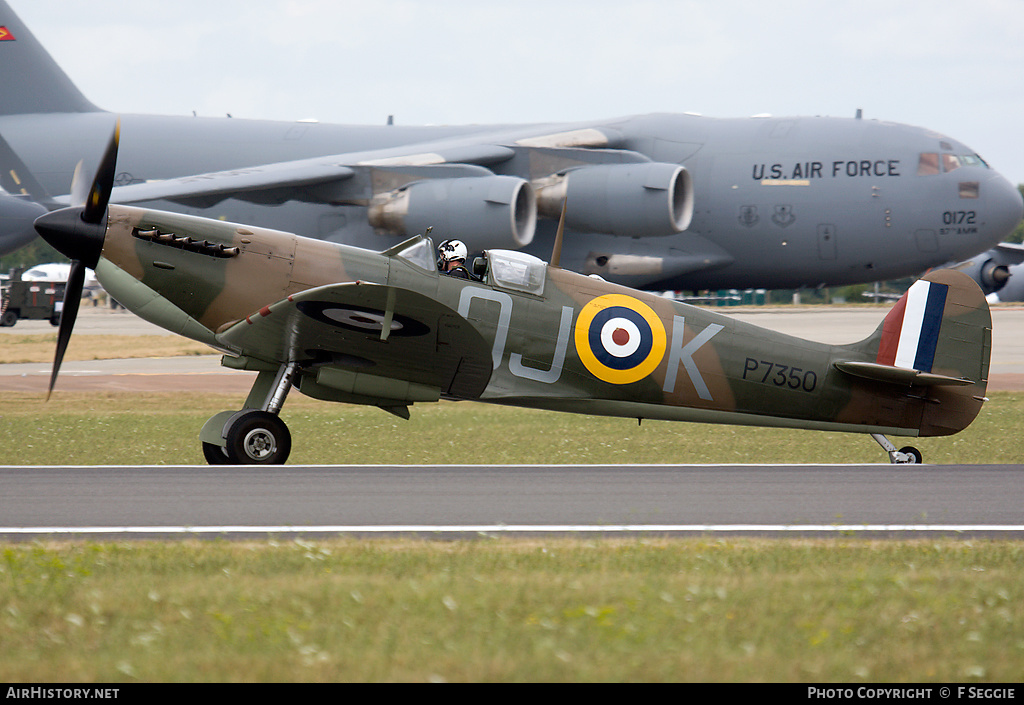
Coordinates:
937 340
941 326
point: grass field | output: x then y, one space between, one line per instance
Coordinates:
162 428
513 610
39 347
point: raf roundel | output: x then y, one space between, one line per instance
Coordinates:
361 319
619 338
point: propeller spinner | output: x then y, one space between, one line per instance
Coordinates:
78 233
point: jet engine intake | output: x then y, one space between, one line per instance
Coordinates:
486 211
647 199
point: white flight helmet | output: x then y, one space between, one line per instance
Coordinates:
452 250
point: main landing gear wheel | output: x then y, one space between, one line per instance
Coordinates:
255 438
255 435
215 455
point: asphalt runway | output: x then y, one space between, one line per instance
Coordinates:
442 501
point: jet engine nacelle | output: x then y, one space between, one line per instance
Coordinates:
647 199
990 275
485 211
1013 290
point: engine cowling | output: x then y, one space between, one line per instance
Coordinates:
1013 289
486 211
990 275
647 199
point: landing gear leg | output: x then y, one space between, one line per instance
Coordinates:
907 455
255 435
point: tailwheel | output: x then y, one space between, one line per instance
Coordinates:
912 456
907 455
255 438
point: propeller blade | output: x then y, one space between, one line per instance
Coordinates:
69 312
103 183
79 186
79 232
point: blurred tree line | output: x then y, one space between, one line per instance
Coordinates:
36 252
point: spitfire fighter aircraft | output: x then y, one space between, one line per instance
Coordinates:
659 201
387 329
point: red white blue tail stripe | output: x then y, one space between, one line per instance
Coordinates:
911 330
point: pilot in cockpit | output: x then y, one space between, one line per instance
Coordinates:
451 259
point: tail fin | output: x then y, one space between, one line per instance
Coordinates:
30 80
938 339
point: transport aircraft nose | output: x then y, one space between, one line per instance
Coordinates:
16 217
1006 207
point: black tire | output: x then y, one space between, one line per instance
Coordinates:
215 455
8 319
258 438
914 453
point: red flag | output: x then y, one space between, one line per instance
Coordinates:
5 35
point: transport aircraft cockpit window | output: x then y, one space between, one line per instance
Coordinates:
930 163
950 162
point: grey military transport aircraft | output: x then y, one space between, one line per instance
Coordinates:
660 201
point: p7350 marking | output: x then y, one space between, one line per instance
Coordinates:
768 372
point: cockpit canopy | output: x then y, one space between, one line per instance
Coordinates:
506 269
421 253
517 271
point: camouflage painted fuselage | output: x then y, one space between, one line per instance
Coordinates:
387 329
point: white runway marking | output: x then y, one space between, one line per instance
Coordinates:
523 528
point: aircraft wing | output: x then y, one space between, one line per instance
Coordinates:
262 184
313 180
1009 253
329 179
490 187
376 332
